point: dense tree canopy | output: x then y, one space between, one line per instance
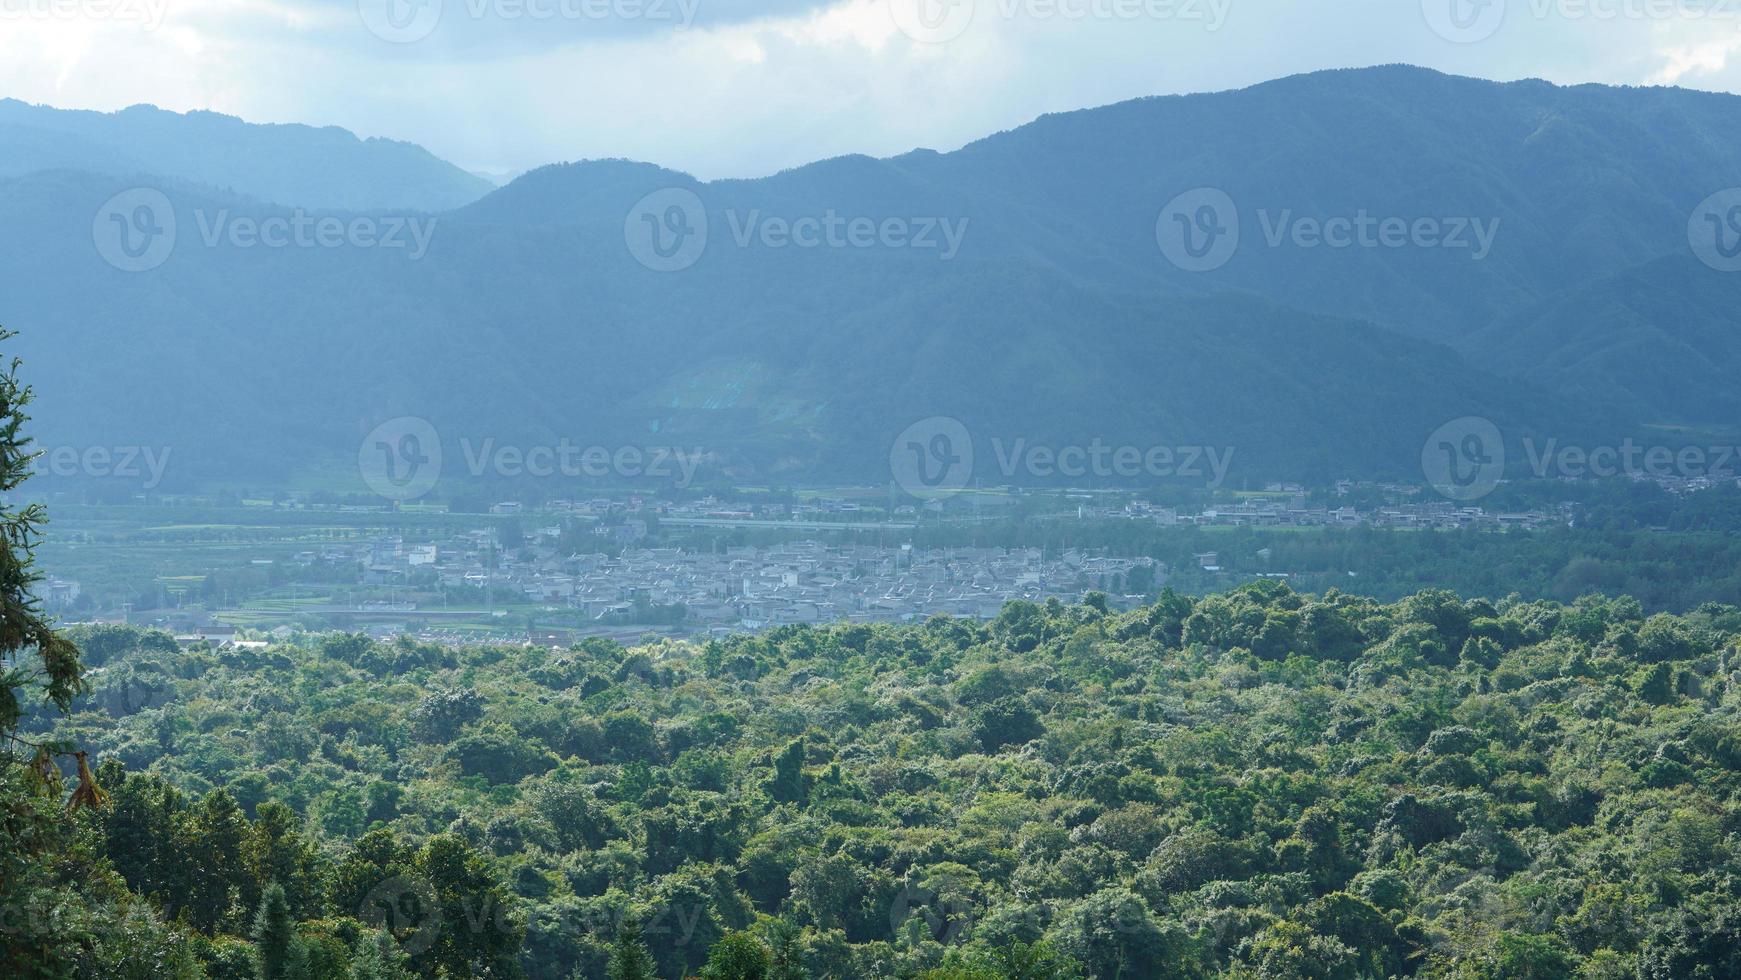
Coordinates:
1258 784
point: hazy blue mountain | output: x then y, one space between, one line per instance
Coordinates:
292 165
1576 185
1657 342
260 365
1586 181
1060 322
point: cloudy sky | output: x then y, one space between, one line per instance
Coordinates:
724 88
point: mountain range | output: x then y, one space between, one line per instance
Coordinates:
1021 285
288 165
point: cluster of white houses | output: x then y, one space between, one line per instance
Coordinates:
754 587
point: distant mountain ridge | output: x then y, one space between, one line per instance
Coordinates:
1059 322
290 165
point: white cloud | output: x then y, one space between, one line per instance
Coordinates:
1689 63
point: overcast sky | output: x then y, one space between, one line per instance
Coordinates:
724 88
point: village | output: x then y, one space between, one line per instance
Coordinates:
730 590
629 565
612 579
1287 507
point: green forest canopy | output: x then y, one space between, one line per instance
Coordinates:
1259 783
